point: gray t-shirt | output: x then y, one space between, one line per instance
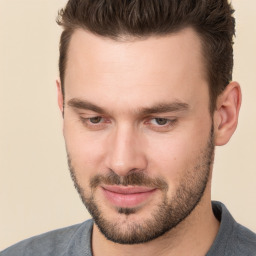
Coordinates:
232 240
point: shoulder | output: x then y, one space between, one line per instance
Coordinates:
233 239
56 242
243 240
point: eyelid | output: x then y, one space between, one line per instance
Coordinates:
105 121
169 118
88 112
93 116
171 122
94 126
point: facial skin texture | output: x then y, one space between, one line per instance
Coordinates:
138 111
168 213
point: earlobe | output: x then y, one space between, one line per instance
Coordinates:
60 96
226 113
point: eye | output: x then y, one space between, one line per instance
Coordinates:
95 120
95 123
160 121
161 124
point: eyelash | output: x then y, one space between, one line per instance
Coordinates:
94 126
165 127
100 125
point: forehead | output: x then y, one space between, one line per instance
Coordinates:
135 70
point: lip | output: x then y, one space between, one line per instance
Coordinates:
127 197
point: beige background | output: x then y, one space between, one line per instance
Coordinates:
36 193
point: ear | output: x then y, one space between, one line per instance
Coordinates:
226 113
60 96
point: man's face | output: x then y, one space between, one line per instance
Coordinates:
138 131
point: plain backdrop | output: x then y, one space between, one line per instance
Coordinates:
36 192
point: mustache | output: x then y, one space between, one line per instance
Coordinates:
132 179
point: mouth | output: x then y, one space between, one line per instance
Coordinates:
127 197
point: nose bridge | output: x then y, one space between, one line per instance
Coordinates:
125 153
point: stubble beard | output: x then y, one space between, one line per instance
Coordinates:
165 216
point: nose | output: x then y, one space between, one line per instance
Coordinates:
125 151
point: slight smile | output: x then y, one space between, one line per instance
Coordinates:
127 197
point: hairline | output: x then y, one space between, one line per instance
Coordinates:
128 37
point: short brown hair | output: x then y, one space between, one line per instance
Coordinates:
211 19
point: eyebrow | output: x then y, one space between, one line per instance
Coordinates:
164 108
175 106
84 104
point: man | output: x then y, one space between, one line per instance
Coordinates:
146 94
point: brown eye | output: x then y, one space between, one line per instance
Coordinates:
95 120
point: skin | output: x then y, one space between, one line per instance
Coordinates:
122 78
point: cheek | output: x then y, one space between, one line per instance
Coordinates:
171 156
85 150
167 156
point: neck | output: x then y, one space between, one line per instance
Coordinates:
193 236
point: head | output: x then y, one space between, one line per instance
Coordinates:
145 86
123 20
